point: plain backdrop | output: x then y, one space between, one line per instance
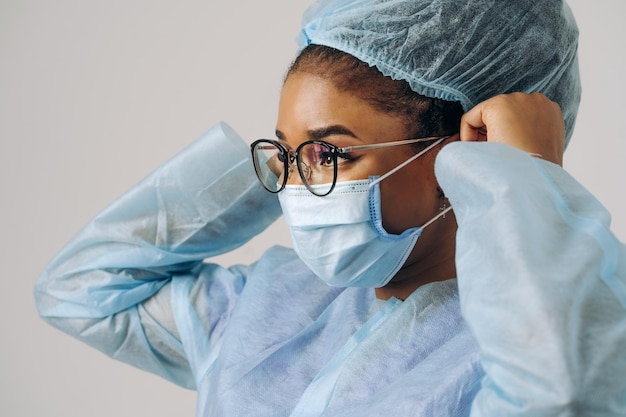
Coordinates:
96 94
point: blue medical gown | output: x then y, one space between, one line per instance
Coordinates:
535 325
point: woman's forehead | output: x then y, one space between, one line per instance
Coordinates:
313 108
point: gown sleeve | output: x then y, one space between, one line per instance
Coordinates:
120 284
542 283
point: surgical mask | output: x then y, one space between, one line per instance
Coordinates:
341 238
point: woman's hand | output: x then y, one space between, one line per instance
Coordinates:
530 122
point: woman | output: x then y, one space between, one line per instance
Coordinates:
540 278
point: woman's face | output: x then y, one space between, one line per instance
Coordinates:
312 108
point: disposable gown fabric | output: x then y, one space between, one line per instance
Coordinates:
458 50
113 279
271 339
542 283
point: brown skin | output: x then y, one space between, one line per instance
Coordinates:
312 108
409 197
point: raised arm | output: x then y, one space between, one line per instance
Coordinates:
542 279
116 284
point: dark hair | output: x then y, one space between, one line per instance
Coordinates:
423 116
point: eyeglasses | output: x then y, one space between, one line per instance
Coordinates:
318 162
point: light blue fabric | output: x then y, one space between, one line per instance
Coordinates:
341 238
542 283
164 227
458 50
541 292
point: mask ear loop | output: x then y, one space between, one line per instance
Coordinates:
408 161
442 213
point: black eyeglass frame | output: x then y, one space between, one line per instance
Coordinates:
335 151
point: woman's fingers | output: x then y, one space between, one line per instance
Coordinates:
530 122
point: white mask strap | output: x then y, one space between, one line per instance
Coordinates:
408 161
440 214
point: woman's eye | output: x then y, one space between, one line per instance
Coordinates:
319 155
325 157
316 154
344 158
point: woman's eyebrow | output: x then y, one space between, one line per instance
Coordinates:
322 132
279 135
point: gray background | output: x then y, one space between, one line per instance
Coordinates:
94 95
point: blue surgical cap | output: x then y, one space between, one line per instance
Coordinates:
458 50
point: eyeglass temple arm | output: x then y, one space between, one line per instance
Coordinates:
389 144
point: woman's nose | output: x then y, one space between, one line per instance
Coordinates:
293 175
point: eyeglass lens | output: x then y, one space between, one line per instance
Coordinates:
315 161
269 163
